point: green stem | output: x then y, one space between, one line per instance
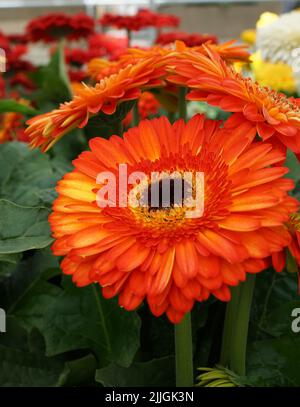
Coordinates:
240 329
184 352
182 103
231 310
135 115
129 36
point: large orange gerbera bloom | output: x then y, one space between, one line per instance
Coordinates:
213 81
159 254
46 129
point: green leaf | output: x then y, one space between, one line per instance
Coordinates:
23 228
24 367
52 81
157 372
78 371
275 295
81 319
8 263
27 294
11 105
274 362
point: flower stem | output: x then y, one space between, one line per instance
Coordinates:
184 352
182 103
230 316
241 325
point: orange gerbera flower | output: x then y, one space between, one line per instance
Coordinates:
159 253
99 68
46 129
271 113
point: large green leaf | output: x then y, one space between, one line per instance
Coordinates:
81 319
23 228
275 296
28 177
273 354
26 293
11 105
8 263
157 372
21 364
274 362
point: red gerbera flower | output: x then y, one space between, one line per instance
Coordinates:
50 27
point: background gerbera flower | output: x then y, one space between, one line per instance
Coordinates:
158 253
272 114
278 76
44 130
278 39
53 26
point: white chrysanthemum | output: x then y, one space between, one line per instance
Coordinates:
280 40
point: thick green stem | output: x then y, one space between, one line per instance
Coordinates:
182 103
241 325
135 115
184 353
230 316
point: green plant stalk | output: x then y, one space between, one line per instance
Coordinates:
230 316
135 115
240 327
184 352
182 103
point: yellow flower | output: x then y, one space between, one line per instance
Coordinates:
249 36
278 76
266 19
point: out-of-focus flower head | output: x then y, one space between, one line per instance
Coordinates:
17 38
280 39
82 26
142 19
104 44
278 76
2 87
53 26
148 105
191 40
77 75
76 56
249 36
15 61
22 79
